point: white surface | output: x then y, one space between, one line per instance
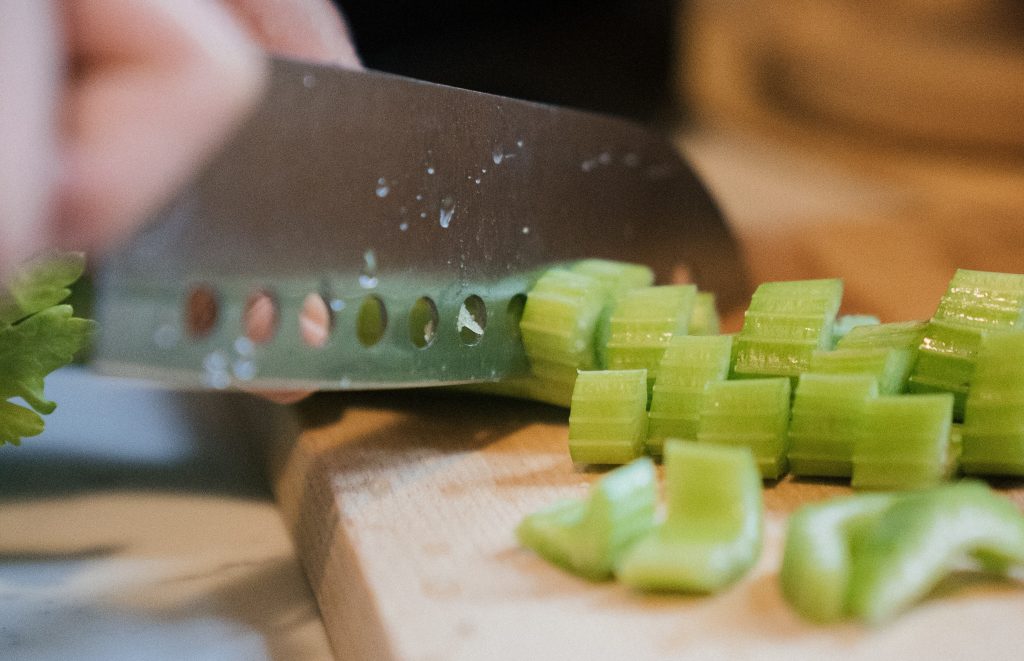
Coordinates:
136 528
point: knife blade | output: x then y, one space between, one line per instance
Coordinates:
419 213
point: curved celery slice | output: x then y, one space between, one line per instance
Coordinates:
993 430
924 536
905 444
608 416
642 323
894 335
817 558
827 419
712 534
784 324
587 537
689 364
975 303
705 319
847 322
891 367
752 413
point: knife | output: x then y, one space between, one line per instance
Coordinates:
419 214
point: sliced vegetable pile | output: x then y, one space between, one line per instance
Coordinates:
891 407
38 334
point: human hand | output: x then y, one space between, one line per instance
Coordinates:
107 106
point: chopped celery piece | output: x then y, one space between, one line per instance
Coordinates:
895 335
785 323
587 537
817 558
993 430
712 532
615 276
608 416
752 413
975 303
690 363
827 419
891 367
847 322
924 536
704 320
905 444
642 323
558 326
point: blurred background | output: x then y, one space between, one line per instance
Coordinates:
878 141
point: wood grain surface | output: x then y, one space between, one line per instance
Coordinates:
403 508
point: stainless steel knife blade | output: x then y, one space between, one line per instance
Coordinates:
419 213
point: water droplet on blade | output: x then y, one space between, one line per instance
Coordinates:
368 276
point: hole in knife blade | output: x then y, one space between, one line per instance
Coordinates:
201 311
315 320
472 320
260 317
371 321
423 321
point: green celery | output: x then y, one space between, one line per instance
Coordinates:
690 363
752 413
847 322
976 303
818 554
608 416
924 536
587 537
642 323
893 335
993 430
704 320
713 528
905 442
784 324
827 419
890 367
558 326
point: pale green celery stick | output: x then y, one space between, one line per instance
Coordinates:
642 323
975 303
705 319
557 328
752 413
817 558
827 419
616 278
712 532
689 364
587 537
847 322
785 323
993 430
923 537
894 335
905 444
608 416
890 367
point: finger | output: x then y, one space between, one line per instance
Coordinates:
303 29
156 85
29 74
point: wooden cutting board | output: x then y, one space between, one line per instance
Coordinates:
403 508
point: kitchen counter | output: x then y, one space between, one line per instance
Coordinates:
138 527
